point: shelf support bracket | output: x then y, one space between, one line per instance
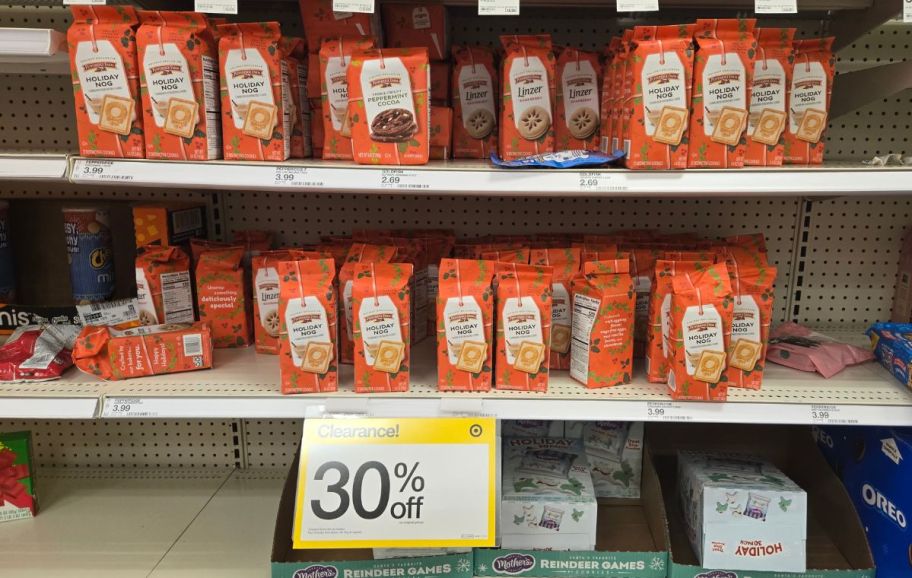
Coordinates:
850 25
855 89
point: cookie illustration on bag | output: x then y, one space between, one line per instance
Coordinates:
578 78
474 102
528 97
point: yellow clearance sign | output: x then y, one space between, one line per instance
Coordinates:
397 483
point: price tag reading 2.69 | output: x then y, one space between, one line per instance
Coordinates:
598 181
396 483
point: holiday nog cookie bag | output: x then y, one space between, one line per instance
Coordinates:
768 99
357 253
382 327
102 47
335 58
474 102
579 75
565 264
465 325
809 100
307 310
523 326
752 281
527 126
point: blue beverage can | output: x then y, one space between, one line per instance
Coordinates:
7 268
90 254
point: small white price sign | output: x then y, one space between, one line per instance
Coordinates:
366 6
666 411
216 6
100 170
125 407
498 7
825 414
290 177
776 6
637 5
401 179
396 483
907 10
77 2
598 181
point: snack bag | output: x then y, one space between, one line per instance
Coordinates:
256 92
357 253
465 326
321 22
579 76
769 91
296 60
565 265
721 95
607 94
335 57
662 63
381 326
265 275
752 281
307 310
809 100
527 105
417 26
474 110
389 106
523 326
700 330
603 305
178 59
221 295
504 254
163 290
105 74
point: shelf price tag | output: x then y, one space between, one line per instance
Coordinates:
396 483
498 7
401 179
776 6
829 415
125 407
598 181
666 411
366 6
637 5
94 170
216 6
291 177
907 10
77 2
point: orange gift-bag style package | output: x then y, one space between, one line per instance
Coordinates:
357 253
296 59
178 59
308 357
565 265
335 58
321 22
465 325
603 306
523 326
389 106
163 289
264 269
607 94
221 295
474 102
809 100
527 105
623 91
417 25
256 92
769 97
722 82
578 78
382 326
661 63
102 46
752 279
700 330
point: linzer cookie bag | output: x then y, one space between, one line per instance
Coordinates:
357 253
266 319
308 357
321 22
465 325
389 106
768 98
700 329
475 96
178 59
578 78
565 264
662 62
722 82
105 74
603 308
163 288
523 326
381 326
809 100
335 58
256 92
752 281
222 298
527 117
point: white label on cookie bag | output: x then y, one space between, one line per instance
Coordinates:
808 90
746 319
247 77
476 92
579 84
144 298
560 305
701 333
664 83
767 91
347 305
585 310
100 71
306 321
520 323
267 292
528 87
386 85
167 77
177 297
336 78
462 321
421 19
379 320
724 85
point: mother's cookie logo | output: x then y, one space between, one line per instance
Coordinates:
717 574
514 563
317 571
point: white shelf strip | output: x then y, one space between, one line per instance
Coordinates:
33 167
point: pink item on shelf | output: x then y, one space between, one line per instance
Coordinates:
799 347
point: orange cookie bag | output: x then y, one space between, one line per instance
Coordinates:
382 326
163 289
474 102
357 253
307 342
523 326
578 79
769 97
465 325
222 296
335 58
809 100
565 264
527 106
265 276
752 280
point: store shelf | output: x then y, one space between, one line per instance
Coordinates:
33 51
17 167
474 177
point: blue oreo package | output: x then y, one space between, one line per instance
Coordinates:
561 160
892 344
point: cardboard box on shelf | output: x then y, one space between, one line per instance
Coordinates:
169 224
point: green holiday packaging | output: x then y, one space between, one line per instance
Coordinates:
17 480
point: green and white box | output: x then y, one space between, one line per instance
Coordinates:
614 450
548 501
741 513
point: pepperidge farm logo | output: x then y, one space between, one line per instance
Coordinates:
513 564
317 571
873 498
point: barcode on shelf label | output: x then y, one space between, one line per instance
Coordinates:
498 7
216 6
401 179
109 313
776 6
98 170
666 411
598 181
124 407
638 5
365 6
193 345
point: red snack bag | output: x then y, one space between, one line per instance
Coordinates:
52 343
106 81
809 100
335 57
565 265
415 26
527 106
221 295
265 275
752 280
465 330
523 326
578 78
357 253
474 97
321 22
163 289
769 94
381 326
307 310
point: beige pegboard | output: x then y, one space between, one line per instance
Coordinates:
271 443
